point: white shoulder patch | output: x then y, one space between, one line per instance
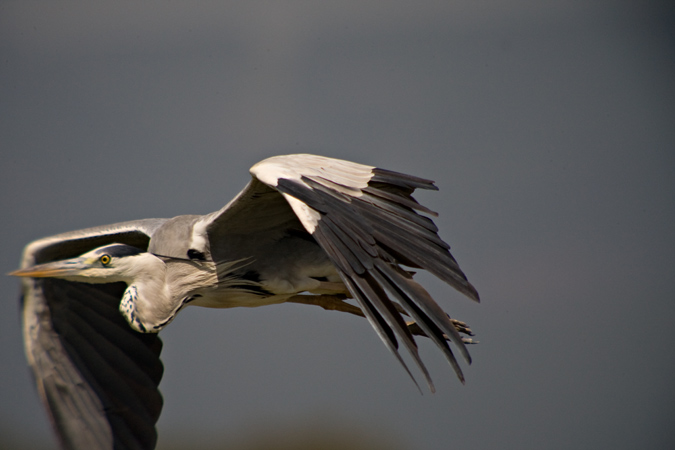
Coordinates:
199 238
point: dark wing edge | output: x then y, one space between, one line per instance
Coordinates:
368 223
97 377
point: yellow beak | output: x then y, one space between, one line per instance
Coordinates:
53 269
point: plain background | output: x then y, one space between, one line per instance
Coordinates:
549 127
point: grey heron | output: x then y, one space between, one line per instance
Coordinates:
306 229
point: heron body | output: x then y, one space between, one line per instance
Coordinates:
306 229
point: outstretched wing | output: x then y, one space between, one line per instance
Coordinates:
96 376
368 224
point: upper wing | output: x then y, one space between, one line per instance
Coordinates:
96 376
368 225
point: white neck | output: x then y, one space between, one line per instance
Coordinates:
146 302
159 289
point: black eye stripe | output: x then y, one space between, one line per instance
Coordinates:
121 250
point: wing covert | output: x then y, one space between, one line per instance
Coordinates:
367 222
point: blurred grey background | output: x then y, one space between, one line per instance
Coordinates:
548 126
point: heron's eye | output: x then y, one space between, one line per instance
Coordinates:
105 259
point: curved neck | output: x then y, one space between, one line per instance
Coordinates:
155 295
147 302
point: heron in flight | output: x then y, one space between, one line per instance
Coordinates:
306 229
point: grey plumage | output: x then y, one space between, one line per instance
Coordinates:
327 228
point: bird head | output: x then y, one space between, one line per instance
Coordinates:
107 264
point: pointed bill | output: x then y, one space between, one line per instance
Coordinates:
54 269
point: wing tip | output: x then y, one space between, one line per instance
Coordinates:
401 179
472 293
